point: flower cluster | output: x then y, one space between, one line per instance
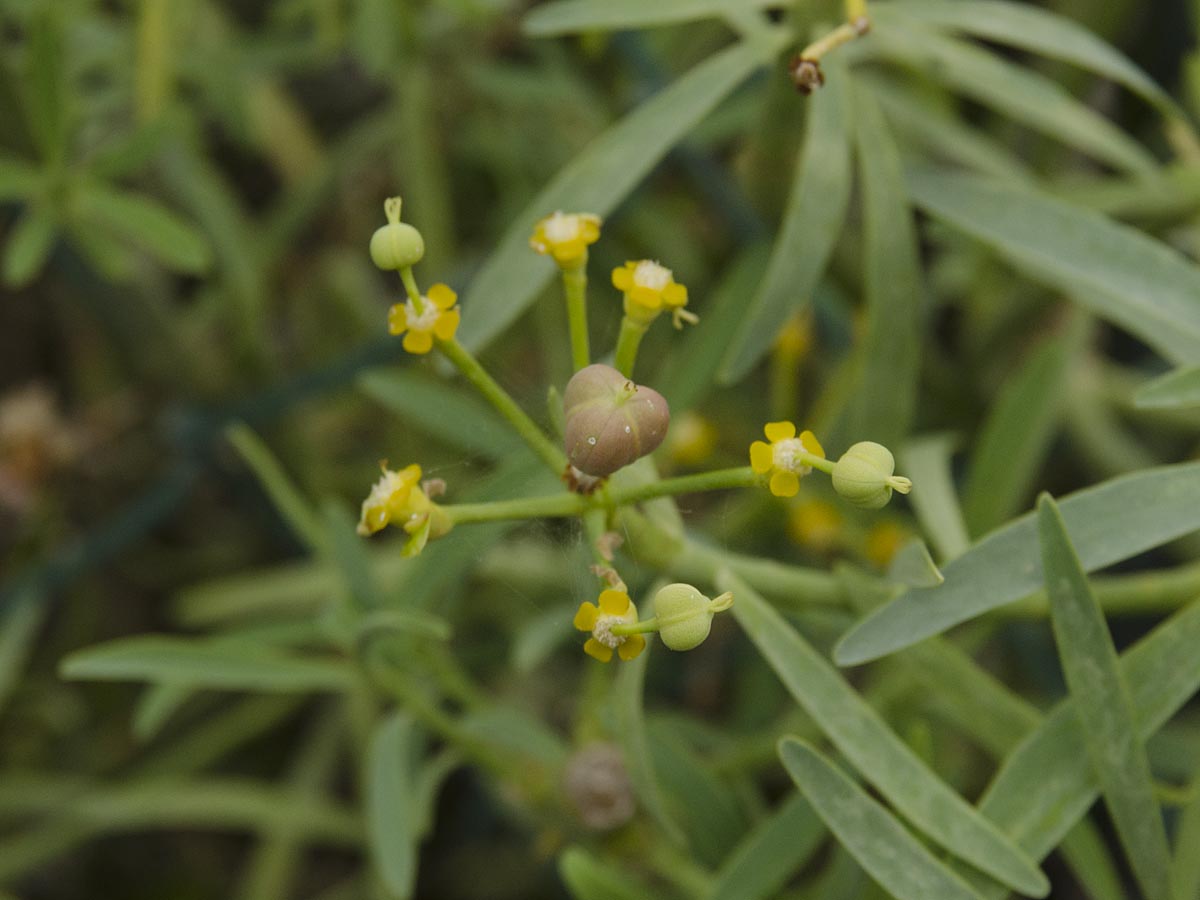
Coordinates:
438 317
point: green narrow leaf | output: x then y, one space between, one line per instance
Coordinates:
146 223
19 625
1015 437
204 664
46 77
688 372
884 760
391 758
443 411
1112 270
589 879
1037 30
1103 704
771 854
941 132
1090 860
28 246
1180 388
926 461
1011 89
914 567
287 499
1041 790
1185 866
572 16
600 178
812 222
631 723
18 179
886 394
1108 523
873 836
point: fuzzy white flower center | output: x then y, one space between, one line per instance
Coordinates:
651 275
425 320
602 631
561 227
787 456
387 485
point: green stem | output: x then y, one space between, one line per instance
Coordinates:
575 288
410 288
819 463
557 506
504 404
628 342
720 479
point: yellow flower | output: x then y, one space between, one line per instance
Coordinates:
399 498
438 317
782 457
566 236
882 542
691 440
395 498
612 608
815 524
649 288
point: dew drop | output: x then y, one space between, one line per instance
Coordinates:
627 429
592 441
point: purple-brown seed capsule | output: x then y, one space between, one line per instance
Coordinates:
610 420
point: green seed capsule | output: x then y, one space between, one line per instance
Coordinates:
396 246
864 476
684 616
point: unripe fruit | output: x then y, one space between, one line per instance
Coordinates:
864 476
396 246
684 616
610 421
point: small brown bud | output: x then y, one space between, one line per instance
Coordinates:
806 74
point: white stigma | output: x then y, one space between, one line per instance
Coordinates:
787 456
561 227
426 320
651 275
602 631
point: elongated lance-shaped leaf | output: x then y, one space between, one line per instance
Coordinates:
600 178
572 16
773 852
291 505
587 878
222 666
875 750
146 223
941 132
1016 435
1180 388
1116 272
886 394
1107 523
811 224
29 245
872 835
631 722
1041 790
1103 705
391 820
1035 29
1011 89
926 460
1185 865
